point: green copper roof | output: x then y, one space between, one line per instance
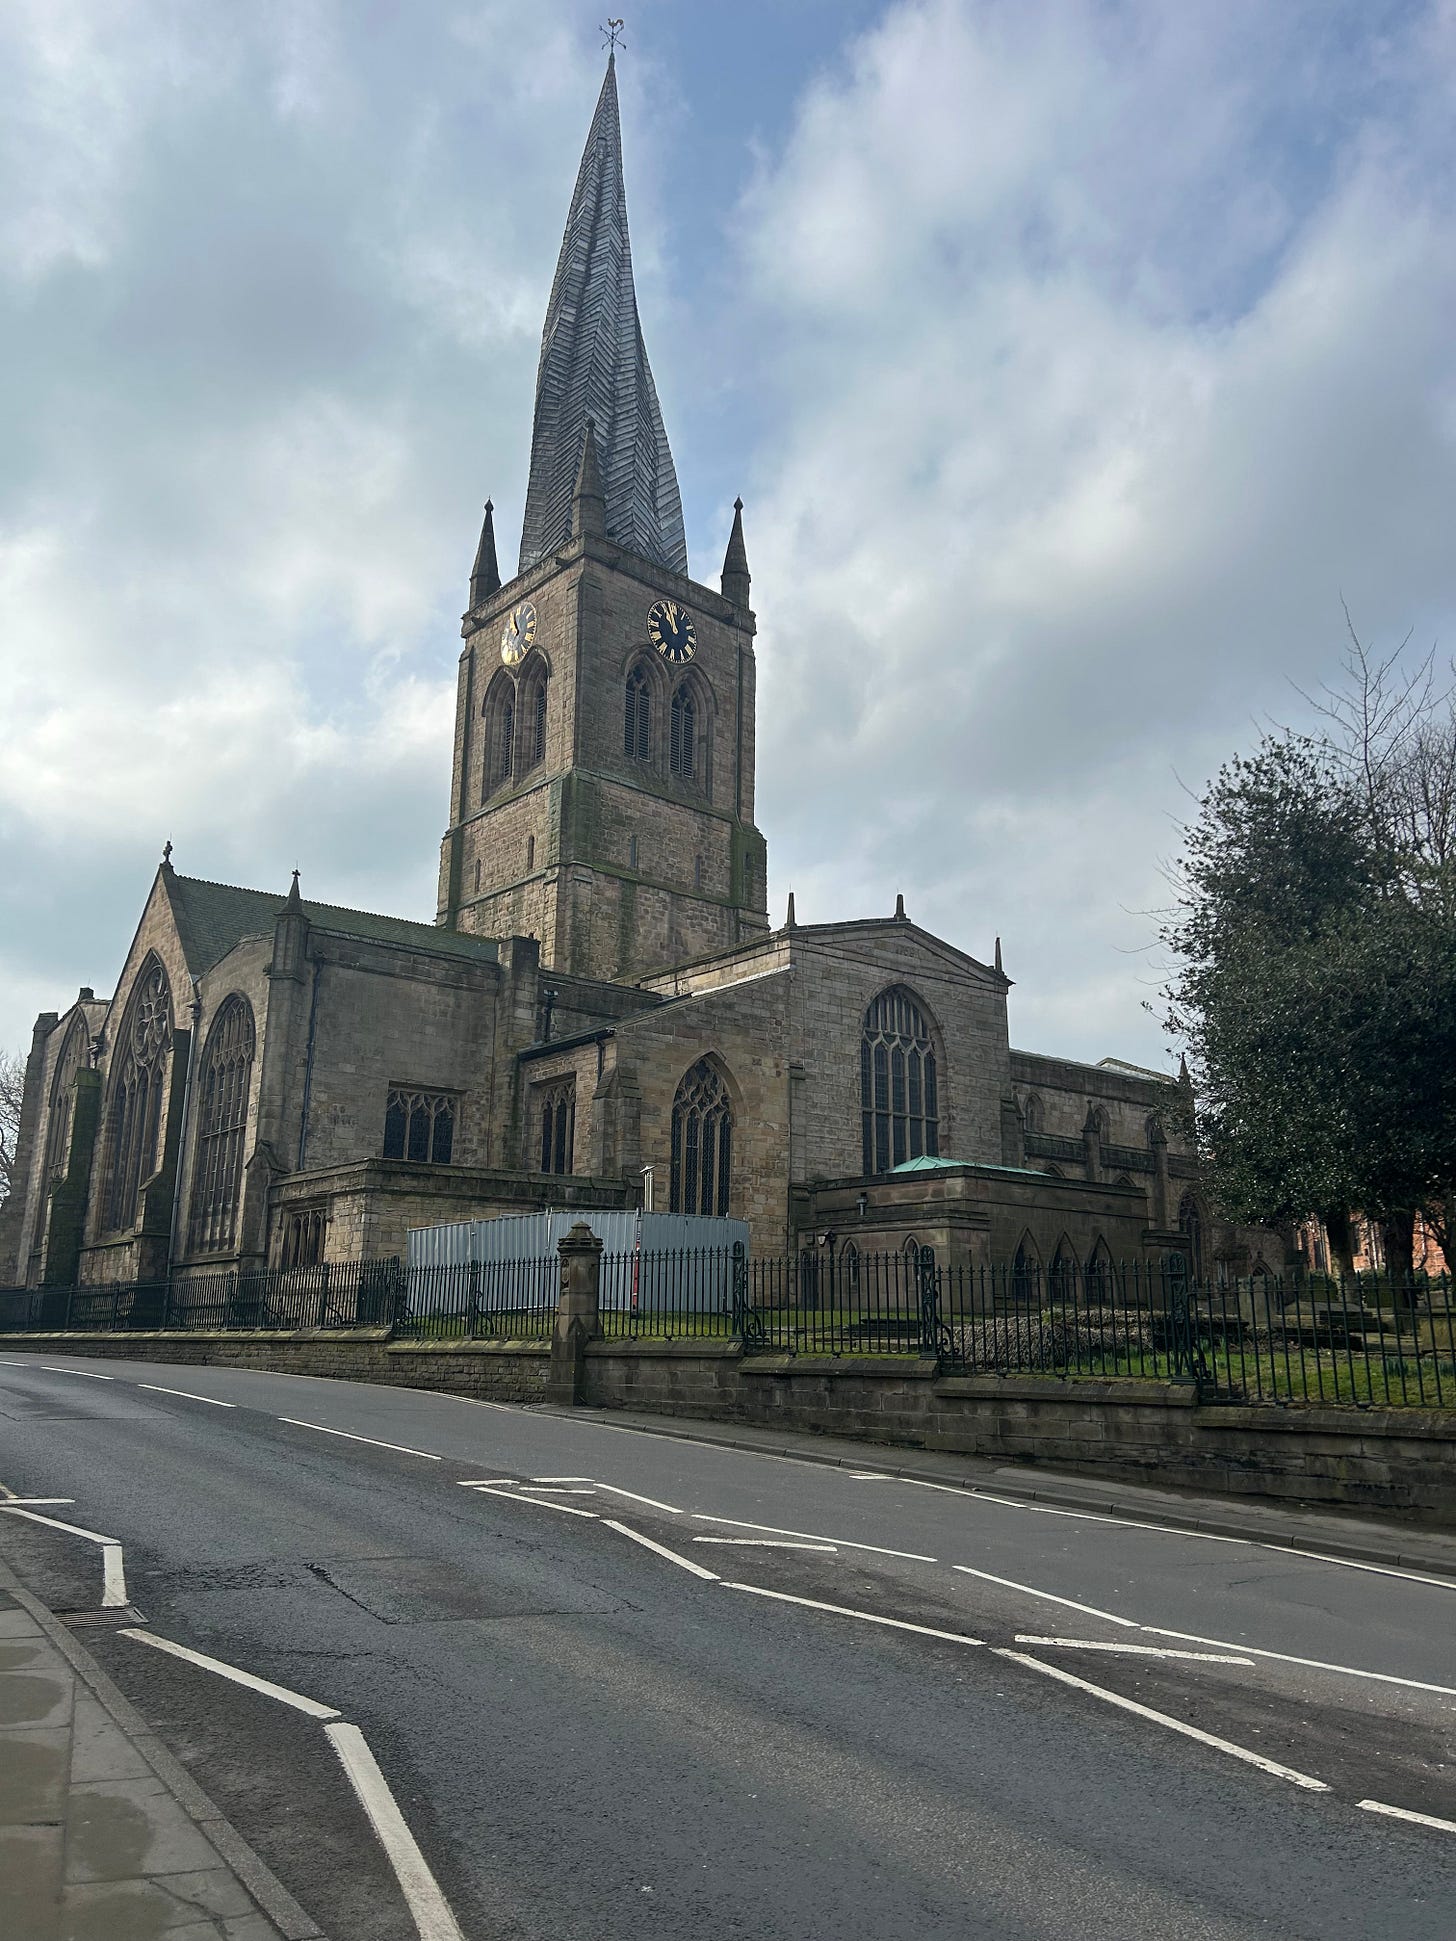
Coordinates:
928 1163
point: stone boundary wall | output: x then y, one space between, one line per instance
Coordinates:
1399 1462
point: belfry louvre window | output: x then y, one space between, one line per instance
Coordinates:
683 734
500 738
557 1125
702 1142
900 1111
534 723
638 723
135 1117
419 1125
222 1124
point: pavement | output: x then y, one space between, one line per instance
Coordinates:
618 1677
102 1836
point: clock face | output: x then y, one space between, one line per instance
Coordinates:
671 630
520 632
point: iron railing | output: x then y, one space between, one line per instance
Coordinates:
1371 1339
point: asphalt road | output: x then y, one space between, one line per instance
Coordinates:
891 1709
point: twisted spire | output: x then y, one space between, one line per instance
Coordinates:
594 364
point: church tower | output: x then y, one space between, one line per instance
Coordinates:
604 736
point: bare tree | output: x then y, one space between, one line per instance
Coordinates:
12 1087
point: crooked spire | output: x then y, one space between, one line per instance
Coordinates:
594 365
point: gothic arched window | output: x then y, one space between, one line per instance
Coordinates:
63 1099
1031 1113
682 747
558 1125
1026 1273
1190 1223
222 1123
1062 1279
637 727
899 1104
419 1126
702 1142
499 759
138 1065
533 720
1101 1278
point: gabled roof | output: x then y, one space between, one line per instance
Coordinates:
594 366
212 917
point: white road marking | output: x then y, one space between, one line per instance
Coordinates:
187 1395
235 1675
561 1479
483 1482
113 1578
1029 1590
1136 1650
541 1502
683 1563
374 1442
432 1917
71 1529
1314 1664
1271 1766
768 1543
558 1489
632 1496
1404 1813
865 1617
843 1543
55 1500
872 1476
1353 1563
90 1377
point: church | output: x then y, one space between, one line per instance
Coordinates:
602 1014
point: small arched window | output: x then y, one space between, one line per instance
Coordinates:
1101 1279
63 1099
222 1123
637 736
1062 1280
899 1096
1026 1273
682 750
135 1117
1031 1113
702 1142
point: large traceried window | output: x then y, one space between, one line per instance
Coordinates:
682 745
419 1125
702 1142
899 1097
139 1064
222 1124
558 1125
637 725
62 1111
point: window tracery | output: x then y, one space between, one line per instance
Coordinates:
222 1122
558 1125
702 1142
136 1094
419 1126
899 1102
63 1099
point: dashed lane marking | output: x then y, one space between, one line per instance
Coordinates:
1029 1590
865 1617
661 1549
1405 1813
1271 1766
770 1543
431 1911
1314 1664
187 1395
87 1373
541 1502
234 1674
814 1536
561 1479
398 1447
1136 1650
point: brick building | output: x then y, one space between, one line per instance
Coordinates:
601 999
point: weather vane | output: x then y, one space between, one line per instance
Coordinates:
612 35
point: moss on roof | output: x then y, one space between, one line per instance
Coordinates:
213 917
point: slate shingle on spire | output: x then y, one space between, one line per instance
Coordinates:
594 364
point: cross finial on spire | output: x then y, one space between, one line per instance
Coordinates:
612 36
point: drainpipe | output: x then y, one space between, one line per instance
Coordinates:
308 1065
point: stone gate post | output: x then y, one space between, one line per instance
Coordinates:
577 1314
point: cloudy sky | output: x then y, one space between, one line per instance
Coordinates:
1074 360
